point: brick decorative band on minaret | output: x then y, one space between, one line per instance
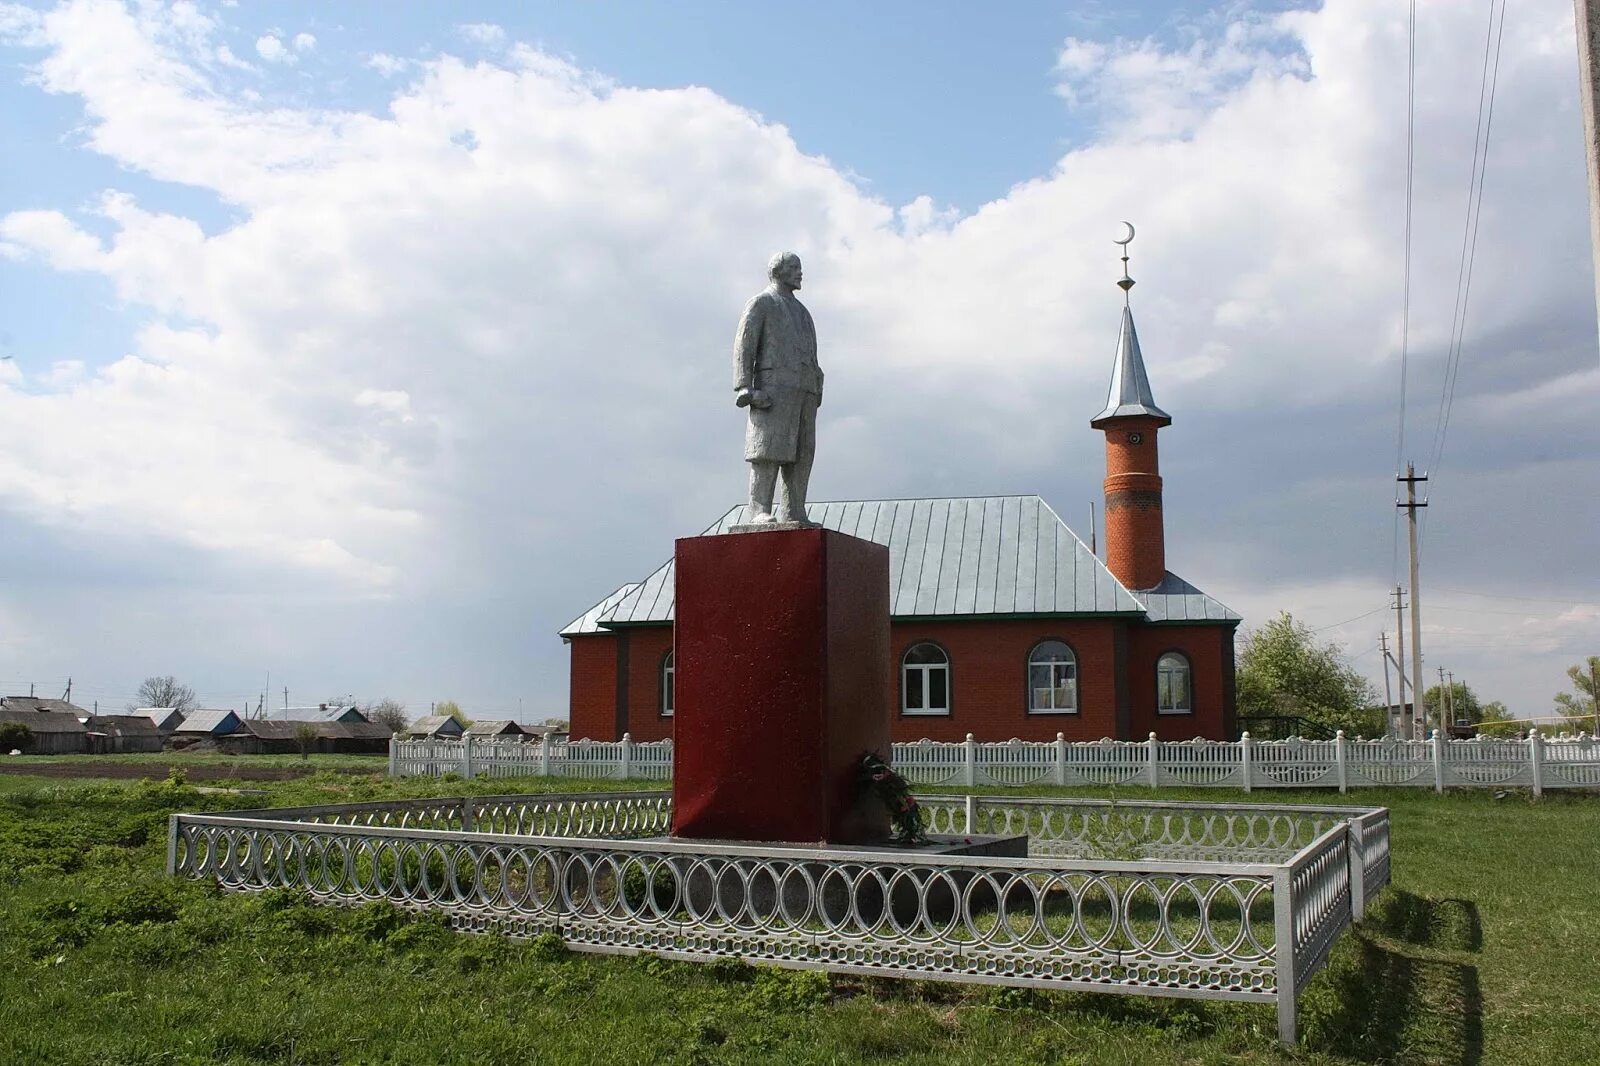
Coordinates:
1135 527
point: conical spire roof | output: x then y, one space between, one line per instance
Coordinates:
1130 395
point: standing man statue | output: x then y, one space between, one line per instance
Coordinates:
775 375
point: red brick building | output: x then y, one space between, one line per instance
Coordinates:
1002 623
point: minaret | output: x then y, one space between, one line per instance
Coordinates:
1135 538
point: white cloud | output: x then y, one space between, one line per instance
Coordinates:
226 57
386 64
272 49
474 343
305 42
486 34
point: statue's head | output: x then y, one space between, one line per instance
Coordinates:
785 269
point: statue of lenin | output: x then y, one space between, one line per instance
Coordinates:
775 375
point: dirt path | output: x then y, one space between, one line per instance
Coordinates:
112 768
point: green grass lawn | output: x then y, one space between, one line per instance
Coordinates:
1484 949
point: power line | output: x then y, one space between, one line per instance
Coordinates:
1482 130
1525 599
1347 621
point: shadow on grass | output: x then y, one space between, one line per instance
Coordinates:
1405 988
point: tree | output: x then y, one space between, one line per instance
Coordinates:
14 735
1284 670
391 714
1581 703
305 735
1455 701
452 709
164 692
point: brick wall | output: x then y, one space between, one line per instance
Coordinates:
988 675
989 681
1209 650
593 697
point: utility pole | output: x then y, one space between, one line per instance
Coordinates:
286 701
1410 480
1444 700
1587 21
1391 713
67 696
1451 688
1407 717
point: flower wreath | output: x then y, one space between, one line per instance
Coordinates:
895 793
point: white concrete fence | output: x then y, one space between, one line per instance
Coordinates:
1536 763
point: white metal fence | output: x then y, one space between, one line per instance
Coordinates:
1536 763
1206 901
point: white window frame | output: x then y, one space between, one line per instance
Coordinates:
926 671
669 687
1162 673
1053 664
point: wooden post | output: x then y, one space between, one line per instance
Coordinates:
466 756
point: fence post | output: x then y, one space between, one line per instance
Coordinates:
970 775
1356 845
1152 756
627 754
544 755
394 753
1536 761
1244 758
1339 760
466 756
1283 948
972 814
1061 758
1438 761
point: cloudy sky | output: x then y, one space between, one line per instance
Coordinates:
363 351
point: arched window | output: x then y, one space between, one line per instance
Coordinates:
1172 684
925 680
1052 679
666 686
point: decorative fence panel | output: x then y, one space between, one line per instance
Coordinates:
1485 762
596 870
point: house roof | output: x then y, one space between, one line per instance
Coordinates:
44 721
429 724
40 703
126 724
286 729
495 728
163 717
967 557
1175 600
1130 395
210 720
326 712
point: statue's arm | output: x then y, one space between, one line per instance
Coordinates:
747 345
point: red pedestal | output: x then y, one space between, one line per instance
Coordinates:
781 673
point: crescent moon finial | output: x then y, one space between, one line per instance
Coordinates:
1127 282
1127 234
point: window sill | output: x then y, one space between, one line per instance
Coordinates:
1176 714
1052 710
925 714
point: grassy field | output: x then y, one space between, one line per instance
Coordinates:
1483 949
